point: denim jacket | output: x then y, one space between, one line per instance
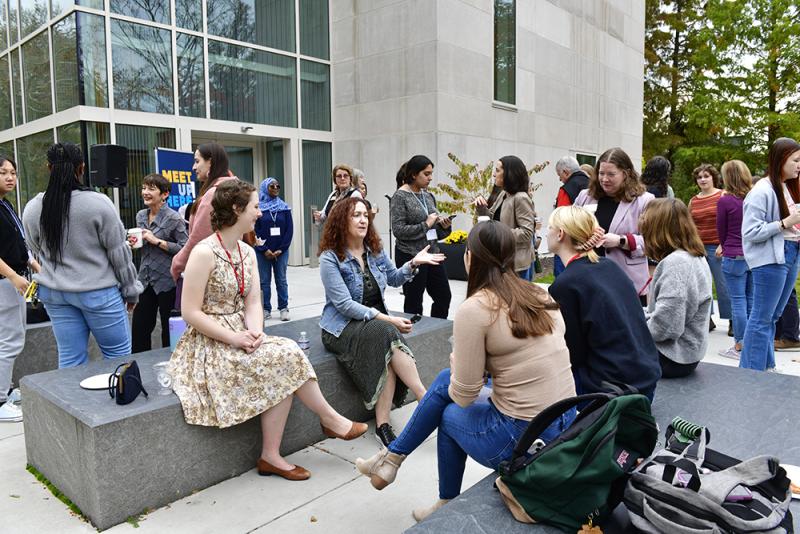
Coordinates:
344 287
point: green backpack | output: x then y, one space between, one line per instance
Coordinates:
580 476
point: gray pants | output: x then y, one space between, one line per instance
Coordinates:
12 333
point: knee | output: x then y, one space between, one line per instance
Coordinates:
442 379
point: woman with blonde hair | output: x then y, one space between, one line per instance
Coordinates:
345 185
606 334
738 278
680 299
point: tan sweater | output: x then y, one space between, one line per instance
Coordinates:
528 375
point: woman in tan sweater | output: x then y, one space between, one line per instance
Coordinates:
513 331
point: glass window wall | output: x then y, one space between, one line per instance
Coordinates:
316 180
32 164
13 34
315 94
32 15
93 71
16 81
314 28
58 7
189 14
505 51
191 77
249 85
7 149
3 24
142 63
151 10
65 63
5 94
262 22
36 76
86 134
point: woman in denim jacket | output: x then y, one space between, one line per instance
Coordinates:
355 325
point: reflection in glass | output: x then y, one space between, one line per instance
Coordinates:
3 25
505 51
36 77
251 85
142 63
32 164
191 78
7 149
240 159
62 6
189 14
13 34
32 15
16 81
263 22
93 71
5 95
275 160
140 141
316 174
87 134
315 94
150 10
314 28
65 63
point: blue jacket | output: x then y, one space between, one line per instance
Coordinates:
344 287
762 240
283 220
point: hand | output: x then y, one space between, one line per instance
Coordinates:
791 220
403 325
444 222
317 216
431 220
35 267
148 236
131 241
259 338
269 254
718 252
277 253
130 306
20 283
245 340
426 258
480 201
595 241
611 240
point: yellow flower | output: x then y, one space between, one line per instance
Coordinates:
459 236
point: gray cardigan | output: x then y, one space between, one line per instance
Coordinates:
96 254
762 240
680 306
408 221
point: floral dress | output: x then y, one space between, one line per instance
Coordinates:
218 384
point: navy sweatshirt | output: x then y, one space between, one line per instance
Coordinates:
607 333
283 220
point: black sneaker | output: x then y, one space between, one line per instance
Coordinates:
385 434
730 329
711 325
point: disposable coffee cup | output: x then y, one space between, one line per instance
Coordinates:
483 218
136 234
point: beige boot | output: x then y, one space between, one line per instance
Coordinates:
381 468
421 514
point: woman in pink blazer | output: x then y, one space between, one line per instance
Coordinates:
617 198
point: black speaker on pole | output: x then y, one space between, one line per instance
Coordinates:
108 166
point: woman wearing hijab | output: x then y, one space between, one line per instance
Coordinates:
273 236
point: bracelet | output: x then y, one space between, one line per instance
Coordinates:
783 225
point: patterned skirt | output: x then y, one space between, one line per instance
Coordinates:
364 349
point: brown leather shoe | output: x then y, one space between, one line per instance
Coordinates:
355 431
266 469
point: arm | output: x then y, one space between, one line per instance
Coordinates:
578 331
253 307
30 223
722 219
336 291
525 218
113 238
756 224
201 229
667 320
396 277
400 227
563 198
288 232
20 282
469 353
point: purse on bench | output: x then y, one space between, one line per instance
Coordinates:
125 383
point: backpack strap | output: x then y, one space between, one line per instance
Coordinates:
752 472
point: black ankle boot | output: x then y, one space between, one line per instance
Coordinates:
385 434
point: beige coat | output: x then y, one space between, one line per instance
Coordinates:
518 214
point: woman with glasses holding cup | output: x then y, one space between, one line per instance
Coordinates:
344 186
274 232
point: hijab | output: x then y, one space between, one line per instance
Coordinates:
266 202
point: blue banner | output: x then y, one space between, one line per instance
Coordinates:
176 166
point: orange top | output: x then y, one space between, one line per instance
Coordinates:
704 214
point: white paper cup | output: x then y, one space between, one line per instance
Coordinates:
136 234
484 218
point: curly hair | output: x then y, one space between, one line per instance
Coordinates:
335 232
710 169
230 198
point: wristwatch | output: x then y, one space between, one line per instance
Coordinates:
622 241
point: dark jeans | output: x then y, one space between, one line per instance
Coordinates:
144 318
432 278
670 369
788 326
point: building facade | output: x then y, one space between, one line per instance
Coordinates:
292 86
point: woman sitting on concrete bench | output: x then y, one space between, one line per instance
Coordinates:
679 306
356 327
224 369
509 328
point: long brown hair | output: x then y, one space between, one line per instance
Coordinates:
337 226
630 188
736 178
219 167
491 247
779 152
666 226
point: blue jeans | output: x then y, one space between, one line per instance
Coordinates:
479 431
772 285
739 280
74 315
558 266
265 270
789 323
723 300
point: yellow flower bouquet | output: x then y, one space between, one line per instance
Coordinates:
459 236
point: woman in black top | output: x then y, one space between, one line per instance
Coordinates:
344 186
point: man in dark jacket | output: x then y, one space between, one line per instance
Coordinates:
575 180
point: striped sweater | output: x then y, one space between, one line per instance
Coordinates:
704 214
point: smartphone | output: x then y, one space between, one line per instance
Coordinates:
452 217
415 318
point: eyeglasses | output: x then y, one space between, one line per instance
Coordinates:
274 186
343 176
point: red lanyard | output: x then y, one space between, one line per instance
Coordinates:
240 283
573 258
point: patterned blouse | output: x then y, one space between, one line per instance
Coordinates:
704 214
169 226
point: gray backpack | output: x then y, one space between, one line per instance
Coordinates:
687 488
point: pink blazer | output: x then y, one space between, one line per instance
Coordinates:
626 221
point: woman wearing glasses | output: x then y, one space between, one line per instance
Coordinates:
274 232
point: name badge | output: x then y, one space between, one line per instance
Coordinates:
430 235
274 231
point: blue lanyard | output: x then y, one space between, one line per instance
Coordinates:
274 215
14 217
422 204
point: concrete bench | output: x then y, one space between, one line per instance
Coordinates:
117 461
748 413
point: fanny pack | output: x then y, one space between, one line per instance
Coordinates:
125 383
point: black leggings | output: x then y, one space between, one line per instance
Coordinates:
430 277
144 318
670 369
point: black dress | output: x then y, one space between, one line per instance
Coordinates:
364 348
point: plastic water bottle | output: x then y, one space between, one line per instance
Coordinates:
302 341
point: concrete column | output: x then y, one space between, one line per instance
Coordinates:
293 182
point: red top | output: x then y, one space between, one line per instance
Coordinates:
563 198
704 214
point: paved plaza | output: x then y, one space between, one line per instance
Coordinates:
336 498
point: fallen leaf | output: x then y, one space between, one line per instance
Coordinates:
14 496
313 519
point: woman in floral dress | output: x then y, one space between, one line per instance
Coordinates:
225 369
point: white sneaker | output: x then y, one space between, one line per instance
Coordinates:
285 314
10 413
731 353
15 397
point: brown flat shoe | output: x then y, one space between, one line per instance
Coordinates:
266 469
355 431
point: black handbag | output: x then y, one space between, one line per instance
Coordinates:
125 383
